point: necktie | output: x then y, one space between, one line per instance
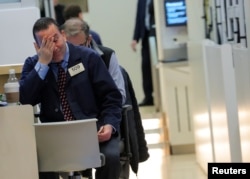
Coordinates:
68 115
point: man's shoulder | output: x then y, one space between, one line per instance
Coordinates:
96 37
32 59
82 52
73 48
92 32
106 49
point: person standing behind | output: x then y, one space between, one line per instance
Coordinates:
59 8
143 27
90 91
75 11
77 32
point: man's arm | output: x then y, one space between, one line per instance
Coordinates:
107 94
30 82
109 97
116 74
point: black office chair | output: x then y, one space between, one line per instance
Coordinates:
125 151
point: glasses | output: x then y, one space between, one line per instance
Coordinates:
86 43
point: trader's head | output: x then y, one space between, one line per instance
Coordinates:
76 32
47 33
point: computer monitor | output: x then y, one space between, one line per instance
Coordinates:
175 12
6 4
9 1
17 18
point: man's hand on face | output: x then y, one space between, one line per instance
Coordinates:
45 51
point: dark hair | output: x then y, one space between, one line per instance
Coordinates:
71 11
42 24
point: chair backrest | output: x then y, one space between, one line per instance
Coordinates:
67 146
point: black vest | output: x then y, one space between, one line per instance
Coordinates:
107 52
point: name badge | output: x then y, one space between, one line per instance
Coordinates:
74 70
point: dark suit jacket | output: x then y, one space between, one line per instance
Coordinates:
59 8
140 29
96 37
91 93
137 139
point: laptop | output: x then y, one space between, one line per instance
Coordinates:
67 146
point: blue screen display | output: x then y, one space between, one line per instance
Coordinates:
175 12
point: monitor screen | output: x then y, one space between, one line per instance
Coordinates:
9 1
10 4
175 12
